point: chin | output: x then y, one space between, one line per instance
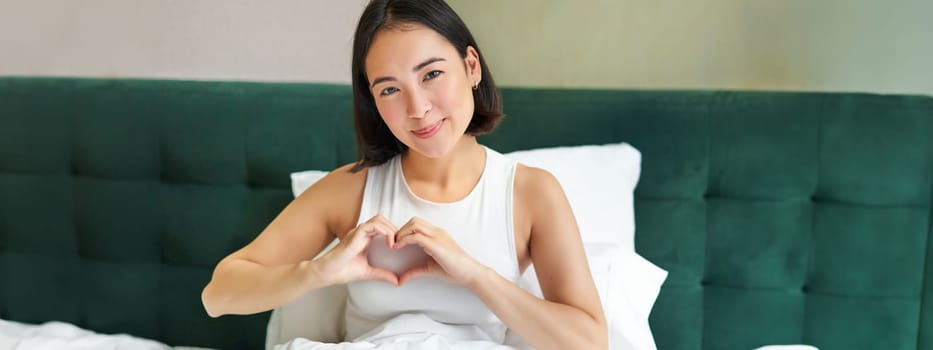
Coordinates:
433 151
439 145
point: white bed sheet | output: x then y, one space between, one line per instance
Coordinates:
66 336
410 332
414 332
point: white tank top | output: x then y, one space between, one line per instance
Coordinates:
481 223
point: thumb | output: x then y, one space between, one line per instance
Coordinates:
427 269
382 274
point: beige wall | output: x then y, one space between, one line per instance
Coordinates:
840 45
282 40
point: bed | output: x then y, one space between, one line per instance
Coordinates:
781 217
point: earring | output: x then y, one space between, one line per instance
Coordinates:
476 85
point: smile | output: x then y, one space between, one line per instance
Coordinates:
430 130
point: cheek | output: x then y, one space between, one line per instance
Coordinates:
391 112
454 99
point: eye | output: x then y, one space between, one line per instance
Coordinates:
432 74
388 91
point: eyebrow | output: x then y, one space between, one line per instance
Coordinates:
417 67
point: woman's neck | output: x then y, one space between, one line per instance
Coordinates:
447 178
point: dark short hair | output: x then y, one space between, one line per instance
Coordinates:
375 141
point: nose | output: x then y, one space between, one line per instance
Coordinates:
418 104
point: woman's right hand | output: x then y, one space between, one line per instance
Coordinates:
347 261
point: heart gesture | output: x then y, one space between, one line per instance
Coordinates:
446 259
350 260
347 262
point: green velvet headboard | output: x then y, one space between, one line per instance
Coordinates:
782 217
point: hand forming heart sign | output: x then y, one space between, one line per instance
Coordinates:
376 250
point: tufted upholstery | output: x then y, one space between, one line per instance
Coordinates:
782 217
117 198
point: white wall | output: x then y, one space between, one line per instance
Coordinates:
282 40
840 45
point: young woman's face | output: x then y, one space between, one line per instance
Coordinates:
422 87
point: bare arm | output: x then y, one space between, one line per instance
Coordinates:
571 316
276 267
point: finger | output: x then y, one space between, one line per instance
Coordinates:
410 275
382 219
363 235
363 231
425 242
390 229
370 229
383 275
406 236
382 228
353 241
420 225
400 236
388 232
409 228
428 269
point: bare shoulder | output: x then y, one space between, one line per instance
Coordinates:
305 226
338 181
534 189
540 201
342 179
339 194
533 184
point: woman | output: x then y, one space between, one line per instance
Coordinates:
467 219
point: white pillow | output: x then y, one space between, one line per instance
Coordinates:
304 179
628 286
636 283
599 182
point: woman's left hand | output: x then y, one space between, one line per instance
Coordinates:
446 259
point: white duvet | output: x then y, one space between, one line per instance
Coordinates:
413 341
410 331
404 332
66 336
407 332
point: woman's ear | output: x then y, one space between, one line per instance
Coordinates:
473 67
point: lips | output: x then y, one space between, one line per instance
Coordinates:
430 130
